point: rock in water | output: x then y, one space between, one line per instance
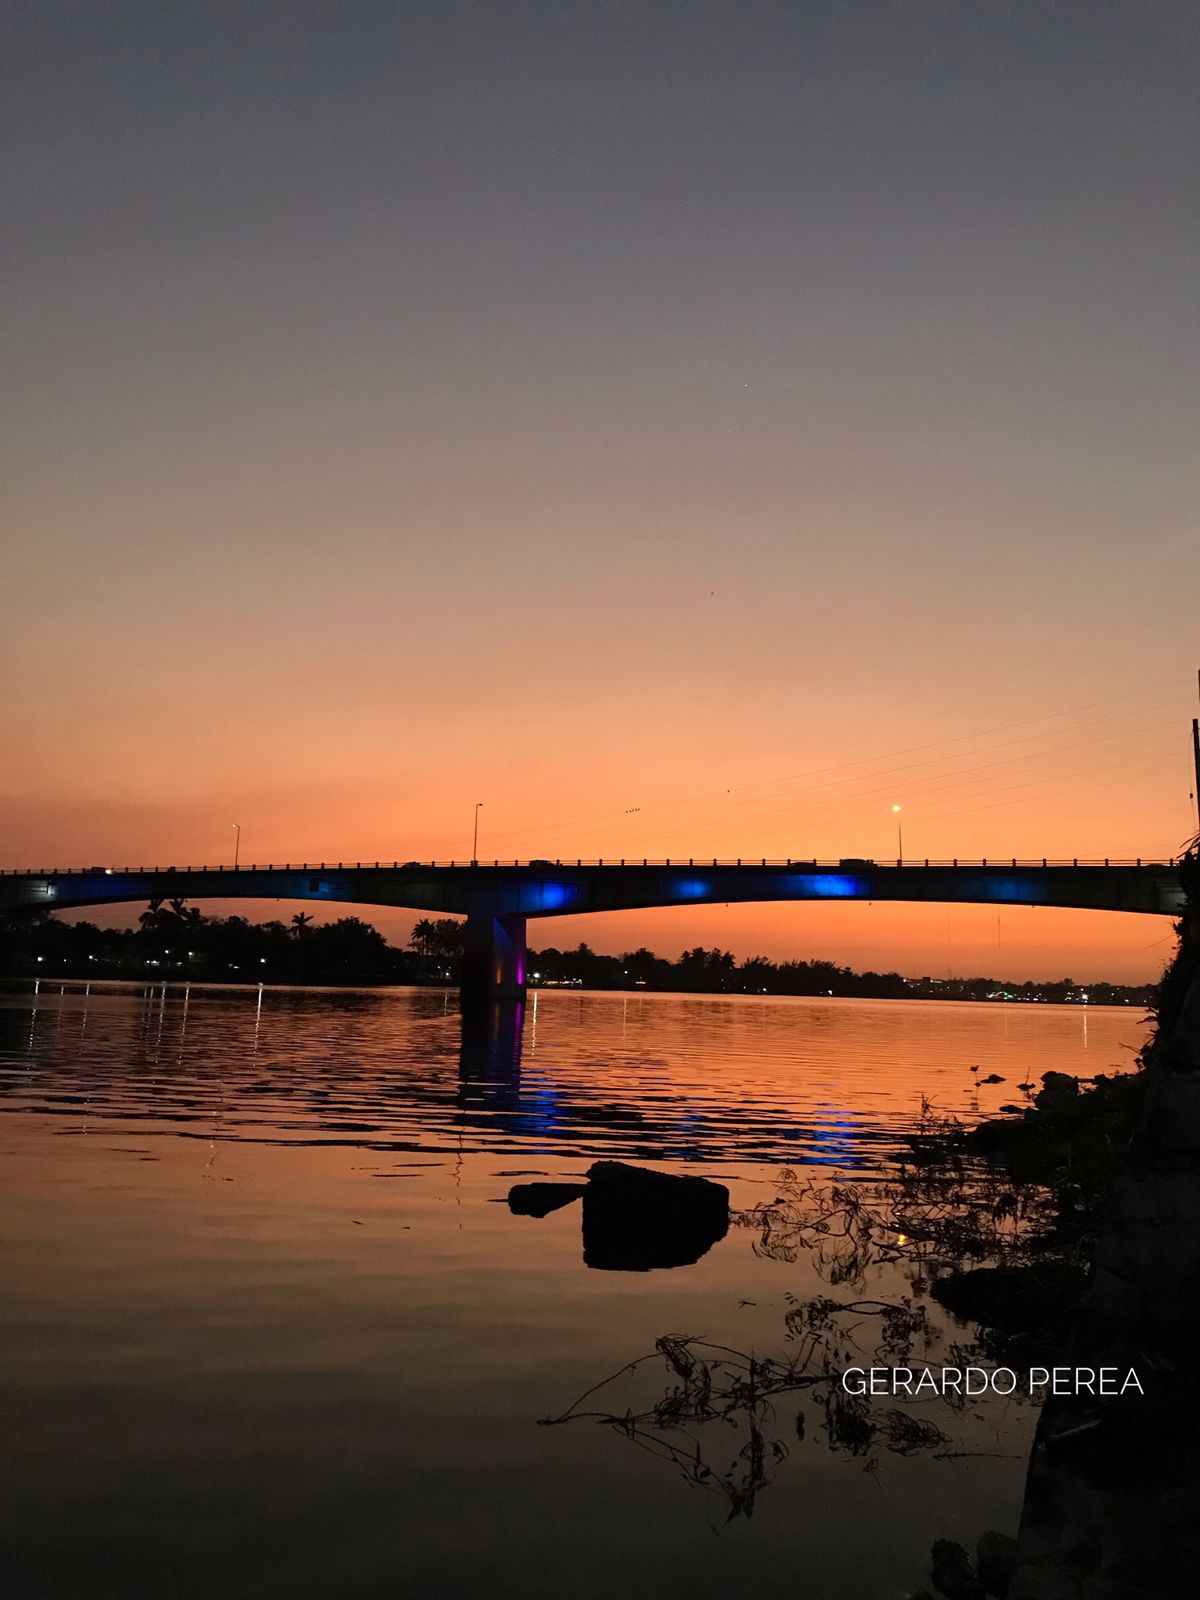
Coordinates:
995 1558
1027 1299
952 1572
539 1199
635 1220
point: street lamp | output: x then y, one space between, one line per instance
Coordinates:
475 839
237 843
899 837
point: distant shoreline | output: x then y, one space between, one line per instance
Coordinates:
176 942
11 984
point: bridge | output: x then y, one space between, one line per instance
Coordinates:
498 898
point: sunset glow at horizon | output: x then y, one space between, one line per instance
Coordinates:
413 411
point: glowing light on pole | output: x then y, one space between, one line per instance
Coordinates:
899 837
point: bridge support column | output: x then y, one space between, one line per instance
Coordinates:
493 966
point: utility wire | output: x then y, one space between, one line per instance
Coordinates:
932 782
835 807
844 821
721 796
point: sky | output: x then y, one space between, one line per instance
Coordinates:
688 429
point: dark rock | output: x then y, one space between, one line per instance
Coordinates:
1014 1299
993 1077
997 1135
635 1220
995 1559
1058 1092
539 1199
952 1572
640 1190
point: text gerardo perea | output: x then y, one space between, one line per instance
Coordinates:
973 1381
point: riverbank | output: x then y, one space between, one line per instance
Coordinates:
1112 1489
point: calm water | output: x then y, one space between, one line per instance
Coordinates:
269 1328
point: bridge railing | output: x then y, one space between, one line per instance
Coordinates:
701 862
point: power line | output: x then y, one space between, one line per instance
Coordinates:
932 783
841 808
720 795
846 822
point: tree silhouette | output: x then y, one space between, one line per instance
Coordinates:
439 939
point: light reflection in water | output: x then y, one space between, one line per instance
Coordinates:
275 1307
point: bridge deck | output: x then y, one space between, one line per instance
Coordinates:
610 861
498 899
545 888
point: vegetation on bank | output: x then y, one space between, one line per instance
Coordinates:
718 971
176 941
993 1224
997 1224
1170 994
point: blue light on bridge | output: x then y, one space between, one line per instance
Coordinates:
553 896
824 885
1007 888
692 888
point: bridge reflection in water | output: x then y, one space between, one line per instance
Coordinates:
489 1057
350 1067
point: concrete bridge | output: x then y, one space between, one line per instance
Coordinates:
498 898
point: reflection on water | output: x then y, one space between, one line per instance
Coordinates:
694 1078
272 1329
490 1049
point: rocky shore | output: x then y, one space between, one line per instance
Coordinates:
1113 1485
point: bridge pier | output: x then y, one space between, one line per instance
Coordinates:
493 965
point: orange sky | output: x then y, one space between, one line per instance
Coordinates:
1081 783
684 438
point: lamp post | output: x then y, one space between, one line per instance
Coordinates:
475 839
899 837
237 843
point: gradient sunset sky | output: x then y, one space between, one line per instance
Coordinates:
688 429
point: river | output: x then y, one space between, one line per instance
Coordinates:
271 1330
